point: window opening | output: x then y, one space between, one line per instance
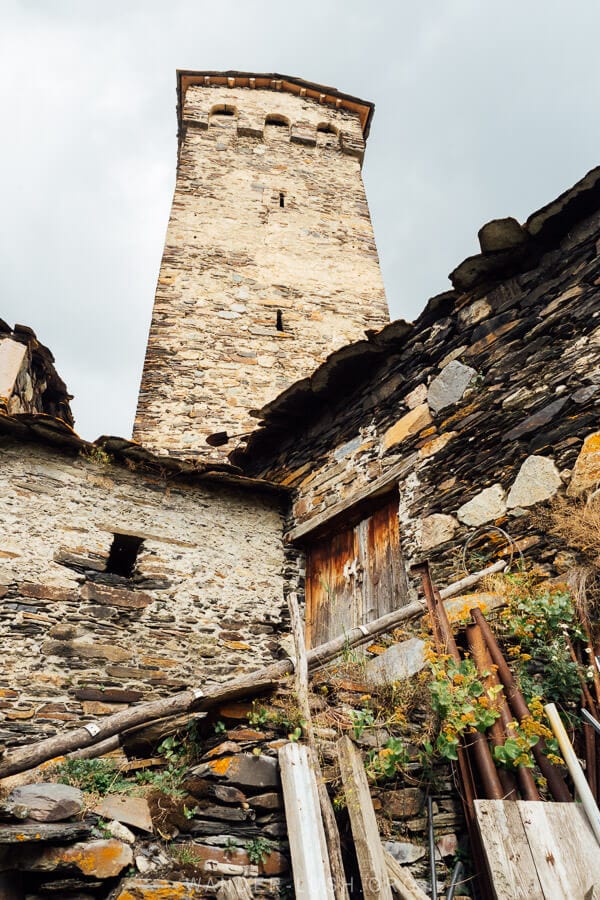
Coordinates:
281 199
279 325
123 555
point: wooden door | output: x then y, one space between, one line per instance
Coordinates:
354 575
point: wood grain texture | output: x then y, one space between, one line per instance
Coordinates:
355 575
369 850
510 864
538 850
563 846
308 848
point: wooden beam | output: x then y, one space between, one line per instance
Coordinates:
403 883
369 851
332 836
308 848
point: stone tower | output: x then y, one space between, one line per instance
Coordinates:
270 261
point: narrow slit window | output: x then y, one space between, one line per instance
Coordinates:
281 199
279 325
123 555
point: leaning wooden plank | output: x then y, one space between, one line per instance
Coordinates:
510 863
369 851
308 848
234 889
403 883
575 771
195 699
332 836
563 847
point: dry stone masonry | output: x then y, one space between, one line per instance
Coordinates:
130 570
270 261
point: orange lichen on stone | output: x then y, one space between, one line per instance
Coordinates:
586 473
102 859
221 766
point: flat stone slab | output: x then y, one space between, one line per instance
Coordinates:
449 386
138 889
39 832
133 811
399 662
98 859
404 852
245 769
48 802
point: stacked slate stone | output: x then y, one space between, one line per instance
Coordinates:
482 409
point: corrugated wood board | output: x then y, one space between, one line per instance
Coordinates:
537 850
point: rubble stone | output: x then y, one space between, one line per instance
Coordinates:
538 479
449 386
586 473
437 529
48 802
397 663
486 506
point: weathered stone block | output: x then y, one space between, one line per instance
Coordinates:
397 663
538 480
112 596
586 473
48 802
450 385
436 529
128 810
486 506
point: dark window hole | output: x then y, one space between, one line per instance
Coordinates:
279 325
282 200
123 555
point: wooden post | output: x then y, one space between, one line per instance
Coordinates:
369 851
330 825
308 848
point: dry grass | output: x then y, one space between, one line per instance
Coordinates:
577 523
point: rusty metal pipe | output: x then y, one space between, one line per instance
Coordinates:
484 663
465 770
497 732
556 782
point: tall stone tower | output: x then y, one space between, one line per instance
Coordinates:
269 263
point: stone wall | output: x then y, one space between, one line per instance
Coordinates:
29 382
485 407
204 599
269 264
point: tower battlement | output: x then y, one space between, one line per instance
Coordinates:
270 261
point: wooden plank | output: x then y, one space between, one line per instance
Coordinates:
234 889
403 883
369 851
308 849
332 836
563 846
510 863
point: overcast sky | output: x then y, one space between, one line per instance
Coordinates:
482 110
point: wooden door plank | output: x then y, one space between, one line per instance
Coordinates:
308 849
510 862
563 846
369 850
